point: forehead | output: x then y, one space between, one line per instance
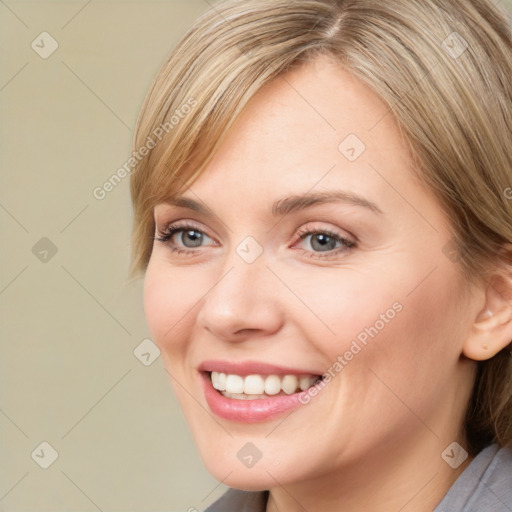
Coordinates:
313 128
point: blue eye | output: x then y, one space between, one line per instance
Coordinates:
325 241
190 238
185 238
322 242
193 236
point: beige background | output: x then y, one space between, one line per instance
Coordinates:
70 321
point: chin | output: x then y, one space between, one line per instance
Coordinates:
245 479
229 467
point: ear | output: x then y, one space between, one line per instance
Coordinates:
492 327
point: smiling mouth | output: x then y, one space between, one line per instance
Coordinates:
259 386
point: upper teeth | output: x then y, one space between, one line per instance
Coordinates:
259 384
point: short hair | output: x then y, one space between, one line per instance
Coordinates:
444 69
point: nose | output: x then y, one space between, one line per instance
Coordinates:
242 303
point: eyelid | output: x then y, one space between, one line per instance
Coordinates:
181 225
311 228
184 224
347 242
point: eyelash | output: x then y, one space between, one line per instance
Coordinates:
170 230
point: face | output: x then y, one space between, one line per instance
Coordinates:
264 293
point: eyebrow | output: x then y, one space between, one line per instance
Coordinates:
290 204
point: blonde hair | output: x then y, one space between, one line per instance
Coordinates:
444 68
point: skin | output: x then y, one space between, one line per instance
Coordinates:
373 437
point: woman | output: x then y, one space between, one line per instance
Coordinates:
325 227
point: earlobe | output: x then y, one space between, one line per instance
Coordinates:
491 331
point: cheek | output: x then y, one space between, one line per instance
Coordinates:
398 322
169 299
415 355
346 305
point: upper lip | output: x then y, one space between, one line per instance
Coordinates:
244 368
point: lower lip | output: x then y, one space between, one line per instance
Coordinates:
247 411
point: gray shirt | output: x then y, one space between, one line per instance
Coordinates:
484 486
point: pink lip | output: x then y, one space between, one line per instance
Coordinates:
244 368
247 411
